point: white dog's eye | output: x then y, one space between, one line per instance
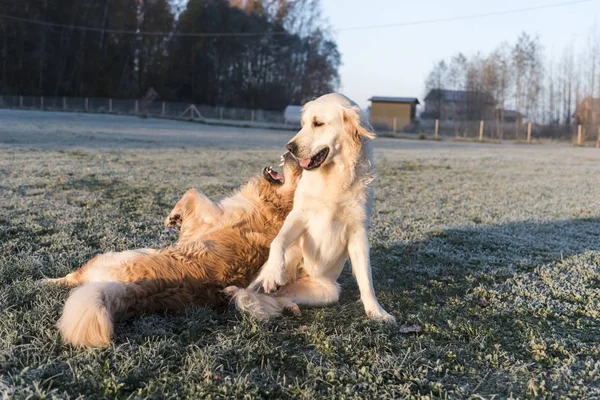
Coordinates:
317 124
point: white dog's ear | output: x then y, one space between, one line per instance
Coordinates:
353 125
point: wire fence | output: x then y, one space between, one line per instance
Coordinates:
495 130
155 109
470 130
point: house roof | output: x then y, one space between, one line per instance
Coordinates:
458 95
510 113
383 99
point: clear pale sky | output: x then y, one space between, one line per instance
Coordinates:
395 61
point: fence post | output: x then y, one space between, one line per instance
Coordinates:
598 141
41 102
579 135
252 115
64 103
110 105
529 132
164 109
20 101
437 128
481 131
221 113
87 103
395 121
136 107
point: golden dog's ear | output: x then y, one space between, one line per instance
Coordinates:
353 125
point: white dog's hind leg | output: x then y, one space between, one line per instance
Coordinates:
259 305
311 292
358 250
305 291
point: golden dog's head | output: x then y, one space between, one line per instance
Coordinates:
276 190
333 129
288 179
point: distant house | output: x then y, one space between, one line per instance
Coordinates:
509 115
449 105
386 110
588 112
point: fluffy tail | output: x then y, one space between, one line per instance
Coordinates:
258 305
91 310
87 318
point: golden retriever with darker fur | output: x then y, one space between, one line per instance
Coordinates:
219 245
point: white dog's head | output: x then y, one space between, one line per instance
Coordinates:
333 130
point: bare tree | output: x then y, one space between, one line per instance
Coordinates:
500 60
591 65
438 77
456 77
528 72
437 81
567 82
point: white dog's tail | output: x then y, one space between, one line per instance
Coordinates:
258 305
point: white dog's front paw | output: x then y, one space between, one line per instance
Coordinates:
380 315
270 277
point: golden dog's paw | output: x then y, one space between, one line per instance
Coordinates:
173 220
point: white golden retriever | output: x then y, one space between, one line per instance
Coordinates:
329 219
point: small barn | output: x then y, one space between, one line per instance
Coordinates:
388 113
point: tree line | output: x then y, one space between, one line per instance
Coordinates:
519 77
257 54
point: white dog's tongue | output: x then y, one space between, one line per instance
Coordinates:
304 163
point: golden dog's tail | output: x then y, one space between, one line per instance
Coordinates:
91 310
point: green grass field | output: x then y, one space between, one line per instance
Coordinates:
492 251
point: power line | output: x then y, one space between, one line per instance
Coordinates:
276 33
465 17
139 33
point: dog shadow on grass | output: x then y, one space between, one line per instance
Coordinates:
486 249
509 282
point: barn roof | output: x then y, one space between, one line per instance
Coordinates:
459 96
383 99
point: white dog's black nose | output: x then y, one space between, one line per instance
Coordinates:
292 148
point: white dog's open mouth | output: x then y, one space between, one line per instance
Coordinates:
316 160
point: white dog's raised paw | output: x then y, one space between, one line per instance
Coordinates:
272 283
270 278
381 316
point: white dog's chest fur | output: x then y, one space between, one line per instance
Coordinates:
329 217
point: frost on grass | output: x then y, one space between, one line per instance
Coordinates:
493 252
